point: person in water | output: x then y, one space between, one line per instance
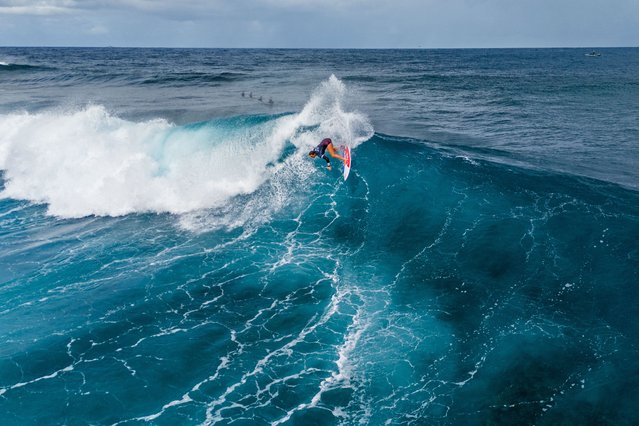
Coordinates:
319 150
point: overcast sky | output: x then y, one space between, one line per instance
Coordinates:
320 23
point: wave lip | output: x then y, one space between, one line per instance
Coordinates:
9 66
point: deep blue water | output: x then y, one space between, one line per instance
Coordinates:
170 255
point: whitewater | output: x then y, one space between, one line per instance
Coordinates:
89 162
169 254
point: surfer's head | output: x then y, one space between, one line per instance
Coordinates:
312 154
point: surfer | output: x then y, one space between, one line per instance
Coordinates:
321 149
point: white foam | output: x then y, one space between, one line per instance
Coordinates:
325 110
91 162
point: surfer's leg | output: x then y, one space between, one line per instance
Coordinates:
331 150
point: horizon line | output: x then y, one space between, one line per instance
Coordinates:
321 48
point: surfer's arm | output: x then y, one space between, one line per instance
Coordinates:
331 150
328 162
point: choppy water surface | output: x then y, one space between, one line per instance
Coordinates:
170 255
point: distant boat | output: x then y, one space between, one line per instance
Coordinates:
593 53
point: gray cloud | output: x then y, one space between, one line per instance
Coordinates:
42 7
52 7
320 23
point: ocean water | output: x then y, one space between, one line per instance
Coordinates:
170 255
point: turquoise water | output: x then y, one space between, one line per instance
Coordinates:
165 263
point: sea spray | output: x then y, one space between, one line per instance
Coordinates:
324 111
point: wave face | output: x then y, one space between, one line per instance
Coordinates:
430 288
209 272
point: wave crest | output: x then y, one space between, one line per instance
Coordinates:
91 162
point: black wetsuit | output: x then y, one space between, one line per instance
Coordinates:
321 149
